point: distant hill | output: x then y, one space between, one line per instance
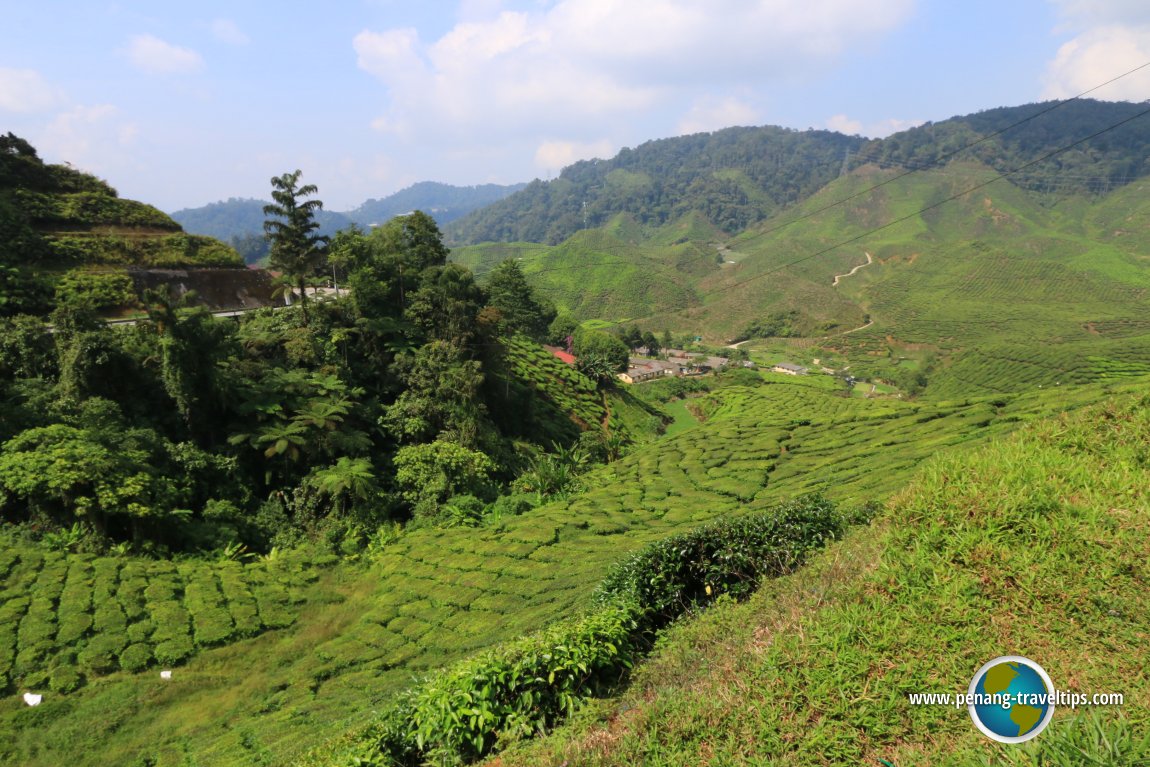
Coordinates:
240 221
738 177
443 202
733 178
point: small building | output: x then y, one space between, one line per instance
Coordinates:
789 369
639 369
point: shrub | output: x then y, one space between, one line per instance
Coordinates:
99 291
511 692
173 651
729 556
140 630
136 657
65 679
526 687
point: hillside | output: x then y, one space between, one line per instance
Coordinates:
887 273
816 668
733 177
64 229
341 633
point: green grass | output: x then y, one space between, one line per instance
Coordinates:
1031 545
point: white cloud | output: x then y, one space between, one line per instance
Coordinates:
555 155
575 67
844 124
1108 39
1097 56
227 31
93 137
26 90
709 114
155 56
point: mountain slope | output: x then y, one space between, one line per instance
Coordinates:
733 177
970 562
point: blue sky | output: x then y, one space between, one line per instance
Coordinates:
181 104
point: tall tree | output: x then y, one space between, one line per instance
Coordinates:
295 248
522 312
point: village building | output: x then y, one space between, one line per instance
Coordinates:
678 363
789 369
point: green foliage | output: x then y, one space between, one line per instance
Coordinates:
730 556
295 247
519 309
776 325
510 693
599 355
429 474
99 291
158 251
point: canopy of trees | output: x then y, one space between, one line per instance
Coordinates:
188 432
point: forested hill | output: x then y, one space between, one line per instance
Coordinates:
1096 166
734 177
443 202
740 176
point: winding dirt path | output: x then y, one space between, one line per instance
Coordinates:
838 277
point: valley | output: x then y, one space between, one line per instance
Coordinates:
426 521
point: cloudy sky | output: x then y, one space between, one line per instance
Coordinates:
181 104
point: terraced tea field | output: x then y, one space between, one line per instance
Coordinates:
66 618
363 632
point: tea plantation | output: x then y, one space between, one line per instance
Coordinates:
1034 545
304 652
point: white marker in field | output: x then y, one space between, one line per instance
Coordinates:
165 674
32 699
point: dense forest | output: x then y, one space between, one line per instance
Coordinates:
421 396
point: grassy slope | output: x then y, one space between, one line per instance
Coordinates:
1033 545
435 596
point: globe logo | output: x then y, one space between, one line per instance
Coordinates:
1011 699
